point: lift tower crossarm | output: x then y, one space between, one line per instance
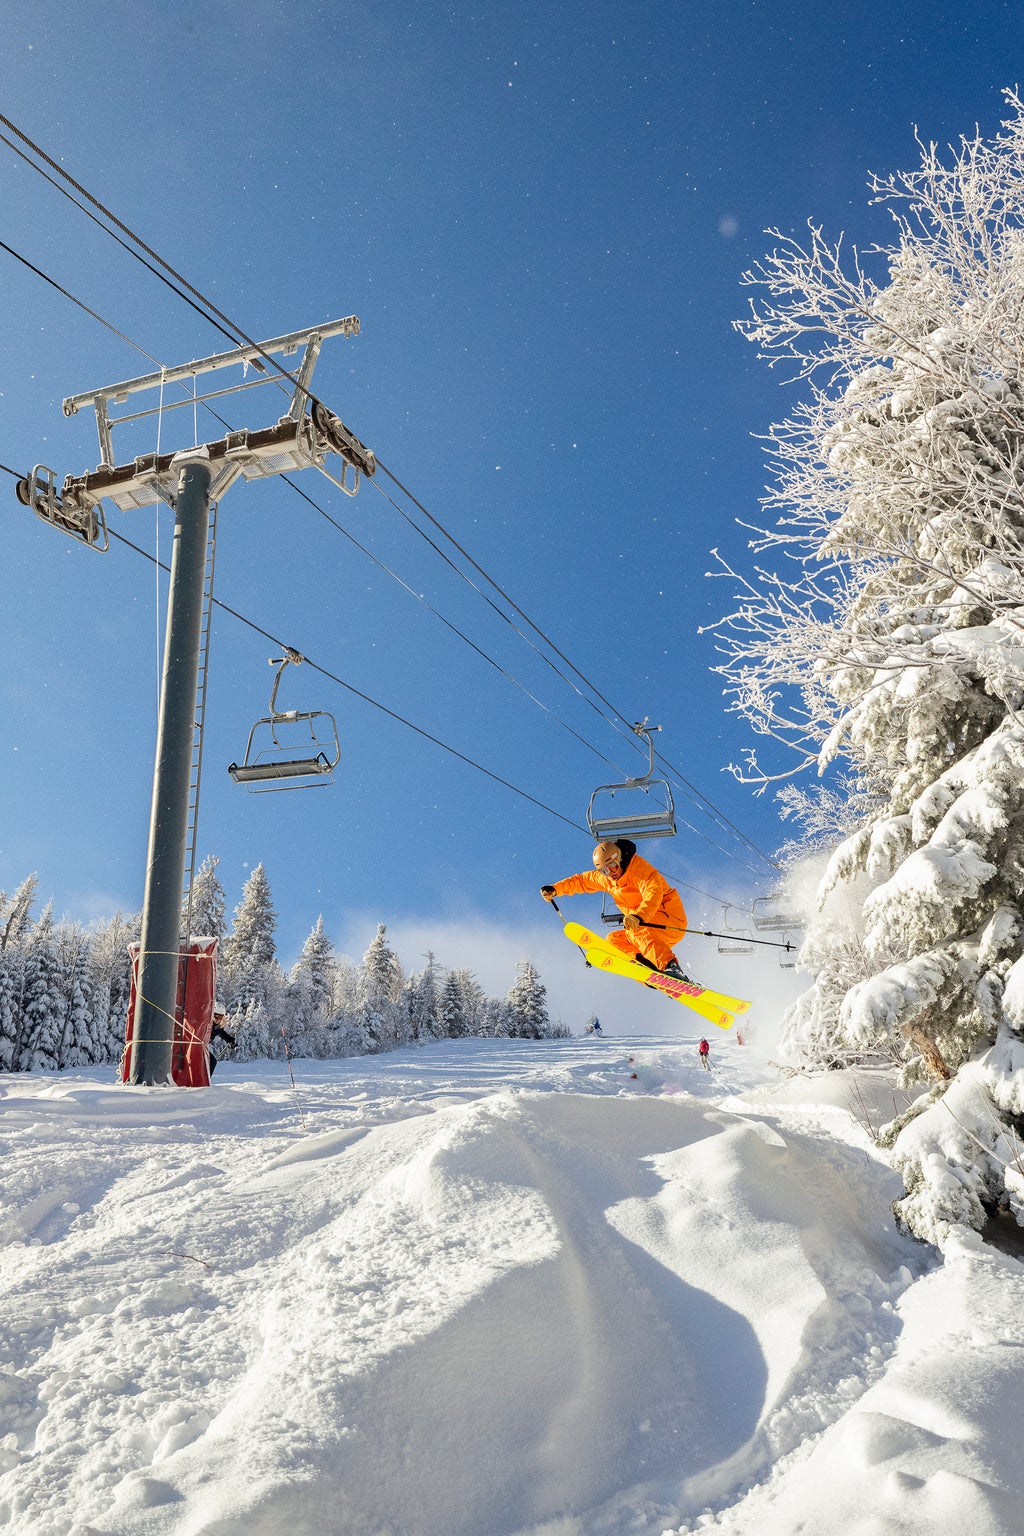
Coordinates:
101 399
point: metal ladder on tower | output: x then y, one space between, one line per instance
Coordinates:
195 775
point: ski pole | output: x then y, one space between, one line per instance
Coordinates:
561 919
706 933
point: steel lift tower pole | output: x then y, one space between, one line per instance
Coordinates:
190 481
157 986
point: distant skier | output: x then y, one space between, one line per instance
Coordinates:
703 1051
643 895
597 1027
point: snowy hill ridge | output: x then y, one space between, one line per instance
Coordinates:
489 1288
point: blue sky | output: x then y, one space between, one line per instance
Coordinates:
541 216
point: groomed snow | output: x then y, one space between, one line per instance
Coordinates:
491 1288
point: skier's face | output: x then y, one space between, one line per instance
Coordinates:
612 868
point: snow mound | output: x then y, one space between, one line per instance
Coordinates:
479 1290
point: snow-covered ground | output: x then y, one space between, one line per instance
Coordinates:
485 1288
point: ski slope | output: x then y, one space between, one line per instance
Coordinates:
490 1288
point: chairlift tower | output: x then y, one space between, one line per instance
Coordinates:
191 481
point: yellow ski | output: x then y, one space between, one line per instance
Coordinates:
587 940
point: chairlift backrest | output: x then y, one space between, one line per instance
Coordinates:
657 819
272 764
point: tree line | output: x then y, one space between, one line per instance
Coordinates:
64 988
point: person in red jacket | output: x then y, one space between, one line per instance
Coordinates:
642 895
703 1051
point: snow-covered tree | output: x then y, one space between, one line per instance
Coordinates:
80 1046
250 967
43 1007
16 912
111 966
314 976
885 632
453 1023
252 934
527 1003
11 969
422 1002
209 903
380 992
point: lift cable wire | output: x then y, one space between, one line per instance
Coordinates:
393 715
366 698
99 223
703 802
334 523
394 576
401 720
707 805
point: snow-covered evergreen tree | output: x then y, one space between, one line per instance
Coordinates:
422 1002
893 639
380 992
473 1001
452 1021
527 1003
249 967
16 912
314 976
209 903
43 1005
11 969
112 974
80 1046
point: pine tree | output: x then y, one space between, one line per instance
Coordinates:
111 967
893 639
380 992
527 1002
43 1007
314 976
473 1001
15 914
79 1046
250 967
11 968
209 902
422 1002
452 1021
252 935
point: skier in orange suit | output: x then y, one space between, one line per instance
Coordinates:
642 894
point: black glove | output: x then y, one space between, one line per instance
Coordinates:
547 891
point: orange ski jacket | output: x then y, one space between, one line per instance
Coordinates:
640 888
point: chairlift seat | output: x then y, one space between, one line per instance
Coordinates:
286 768
649 824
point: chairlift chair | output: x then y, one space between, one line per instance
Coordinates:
735 940
271 763
626 820
774 913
